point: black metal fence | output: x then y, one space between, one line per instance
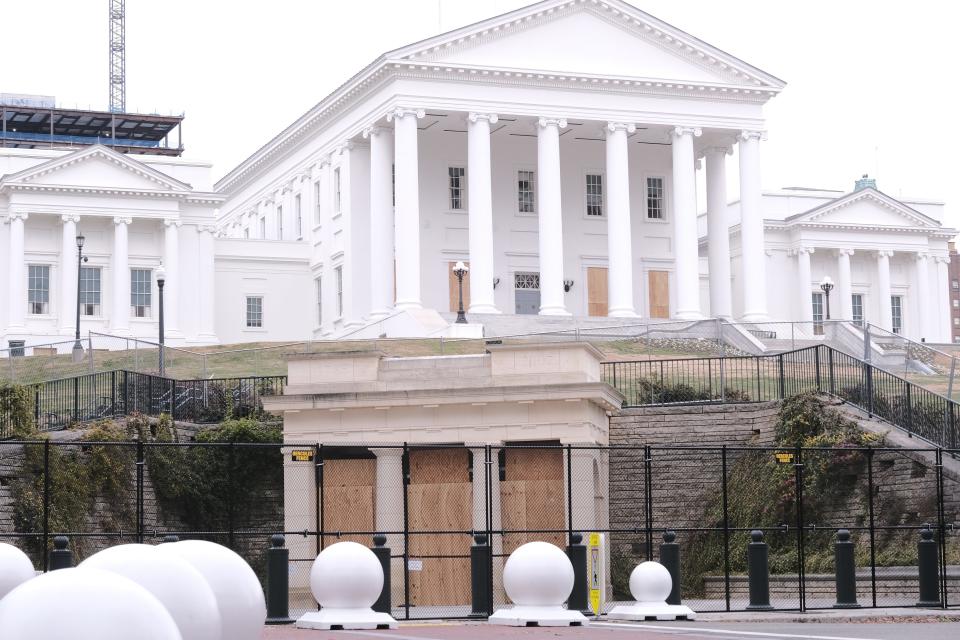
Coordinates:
59 403
906 405
432 501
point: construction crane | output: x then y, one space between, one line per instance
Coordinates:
118 64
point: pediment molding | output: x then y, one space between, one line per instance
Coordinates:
818 215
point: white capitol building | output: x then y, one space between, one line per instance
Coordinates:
553 149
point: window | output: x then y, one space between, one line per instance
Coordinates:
896 313
956 322
455 176
279 222
594 194
956 284
316 202
956 304
263 228
857 306
246 232
338 272
336 190
817 302
299 213
90 291
525 203
318 283
140 293
38 289
254 311
526 280
655 198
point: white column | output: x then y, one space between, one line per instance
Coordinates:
381 221
407 213
804 284
207 276
844 285
619 236
18 278
172 288
883 289
388 505
718 232
120 317
942 286
752 252
550 217
480 205
921 307
68 274
685 245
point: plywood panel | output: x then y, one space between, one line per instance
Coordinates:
659 289
348 499
454 293
533 497
597 299
439 499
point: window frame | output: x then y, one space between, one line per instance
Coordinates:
664 206
586 195
298 215
247 312
534 195
853 308
316 203
97 307
337 192
30 280
318 290
338 280
462 188
148 313
896 314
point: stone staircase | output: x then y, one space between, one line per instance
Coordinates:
502 325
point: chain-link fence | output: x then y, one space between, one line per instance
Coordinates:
435 504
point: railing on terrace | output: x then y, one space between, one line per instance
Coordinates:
107 394
905 405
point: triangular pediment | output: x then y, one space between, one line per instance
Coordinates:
587 37
865 207
96 167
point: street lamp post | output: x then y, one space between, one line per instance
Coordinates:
826 285
77 345
161 274
460 270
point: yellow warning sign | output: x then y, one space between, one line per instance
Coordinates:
595 569
784 457
301 455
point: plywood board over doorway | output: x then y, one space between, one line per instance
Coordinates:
455 288
597 300
348 499
532 497
439 499
659 290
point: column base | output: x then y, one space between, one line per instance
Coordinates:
554 311
484 308
408 305
755 316
688 315
379 314
624 312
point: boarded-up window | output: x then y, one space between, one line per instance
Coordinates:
597 300
659 287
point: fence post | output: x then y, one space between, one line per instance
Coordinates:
76 398
909 411
833 386
670 559
868 374
928 562
140 465
230 496
577 552
758 571
382 551
846 571
46 502
60 556
816 367
278 582
782 385
726 528
113 392
480 558
793 342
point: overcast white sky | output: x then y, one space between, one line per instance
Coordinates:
870 83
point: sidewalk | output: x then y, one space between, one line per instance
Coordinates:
902 614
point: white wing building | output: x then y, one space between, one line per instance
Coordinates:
554 150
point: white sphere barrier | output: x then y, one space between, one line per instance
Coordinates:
538 578
346 579
15 568
650 585
180 588
84 604
236 587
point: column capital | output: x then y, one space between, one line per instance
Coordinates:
375 130
751 134
346 145
921 255
401 112
17 214
323 162
170 222
717 149
69 217
207 228
122 220
942 259
845 252
629 127
884 253
474 116
678 132
796 251
560 123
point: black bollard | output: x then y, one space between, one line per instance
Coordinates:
758 572
579 596
382 551
480 577
846 566
278 582
170 538
670 559
60 556
929 565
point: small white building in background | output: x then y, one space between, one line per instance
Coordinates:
553 149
